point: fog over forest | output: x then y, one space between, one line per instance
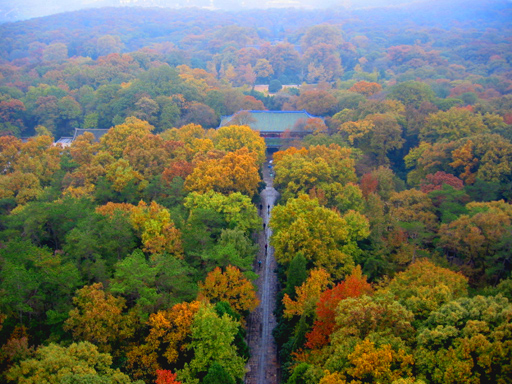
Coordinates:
13 10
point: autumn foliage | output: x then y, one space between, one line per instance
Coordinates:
164 376
129 253
230 286
366 88
354 285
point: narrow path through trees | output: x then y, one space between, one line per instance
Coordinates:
263 365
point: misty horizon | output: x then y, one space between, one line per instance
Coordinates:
11 10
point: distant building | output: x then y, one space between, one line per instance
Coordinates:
277 127
66 141
96 132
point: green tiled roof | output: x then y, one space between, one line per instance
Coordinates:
271 121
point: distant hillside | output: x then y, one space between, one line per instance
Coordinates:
14 10
193 28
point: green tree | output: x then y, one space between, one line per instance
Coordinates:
237 209
467 341
274 86
98 242
218 374
235 248
35 284
134 279
412 93
453 124
212 342
78 363
296 274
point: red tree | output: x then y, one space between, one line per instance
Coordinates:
354 285
164 376
368 184
434 182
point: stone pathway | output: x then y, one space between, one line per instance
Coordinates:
263 365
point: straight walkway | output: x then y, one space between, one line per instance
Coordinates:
263 365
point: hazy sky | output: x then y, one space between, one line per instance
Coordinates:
11 10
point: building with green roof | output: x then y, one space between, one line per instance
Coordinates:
97 133
66 141
277 127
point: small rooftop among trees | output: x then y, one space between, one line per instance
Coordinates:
276 126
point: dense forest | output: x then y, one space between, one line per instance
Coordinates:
131 259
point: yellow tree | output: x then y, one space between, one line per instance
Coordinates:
453 124
366 88
78 363
307 294
98 317
83 148
298 171
325 238
237 209
423 287
467 341
40 157
82 181
10 147
120 173
230 286
465 160
147 154
153 225
380 364
479 241
194 138
372 332
27 167
413 215
235 172
233 137
156 229
114 141
23 187
169 336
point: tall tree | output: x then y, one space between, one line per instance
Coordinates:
354 285
235 172
466 341
326 239
424 287
229 286
233 137
98 317
212 342
78 363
